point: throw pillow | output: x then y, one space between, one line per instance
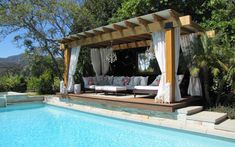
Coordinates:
126 80
136 81
144 81
156 82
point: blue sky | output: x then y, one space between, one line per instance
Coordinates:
8 47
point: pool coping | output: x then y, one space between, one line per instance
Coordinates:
140 118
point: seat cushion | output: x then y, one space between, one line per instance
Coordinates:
130 87
90 87
118 81
144 81
146 87
99 88
89 81
114 88
102 80
156 82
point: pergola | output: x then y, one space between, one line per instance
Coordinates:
134 33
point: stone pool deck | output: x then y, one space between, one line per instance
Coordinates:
184 122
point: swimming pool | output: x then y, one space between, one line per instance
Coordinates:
44 125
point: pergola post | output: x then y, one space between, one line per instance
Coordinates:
67 54
170 61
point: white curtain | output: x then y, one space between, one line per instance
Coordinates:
95 61
72 67
104 63
186 42
160 53
177 54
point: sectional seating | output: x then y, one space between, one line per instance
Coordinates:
153 87
115 84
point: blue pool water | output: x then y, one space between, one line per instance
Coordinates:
32 125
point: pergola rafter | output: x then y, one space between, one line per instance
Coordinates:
133 28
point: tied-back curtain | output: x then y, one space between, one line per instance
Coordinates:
72 67
95 61
160 54
187 46
104 52
177 54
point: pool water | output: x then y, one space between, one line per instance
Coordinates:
44 125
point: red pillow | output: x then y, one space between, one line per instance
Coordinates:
157 82
90 81
125 81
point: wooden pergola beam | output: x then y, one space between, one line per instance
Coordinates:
143 21
136 44
174 15
88 34
98 32
157 18
118 27
184 21
130 24
170 61
107 30
67 54
74 37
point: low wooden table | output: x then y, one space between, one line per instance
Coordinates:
110 89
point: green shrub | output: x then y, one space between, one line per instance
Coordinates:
3 86
21 86
46 83
12 83
33 84
56 85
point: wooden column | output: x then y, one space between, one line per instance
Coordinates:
67 53
170 61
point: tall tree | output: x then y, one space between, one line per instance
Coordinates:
102 10
41 23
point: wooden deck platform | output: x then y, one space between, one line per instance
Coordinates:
140 102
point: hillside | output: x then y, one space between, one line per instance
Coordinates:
11 63
12 59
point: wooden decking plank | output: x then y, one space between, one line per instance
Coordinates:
140 103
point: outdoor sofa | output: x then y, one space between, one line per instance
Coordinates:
116 84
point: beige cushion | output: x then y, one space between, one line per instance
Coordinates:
114 88
86 81
90 87
144 81
110 88
117 81
136 81
146 87
156 82
99 87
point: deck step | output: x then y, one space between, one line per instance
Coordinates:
208 116
228 125
190 110
184 112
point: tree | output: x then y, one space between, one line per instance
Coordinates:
42 23
133 8
102 10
